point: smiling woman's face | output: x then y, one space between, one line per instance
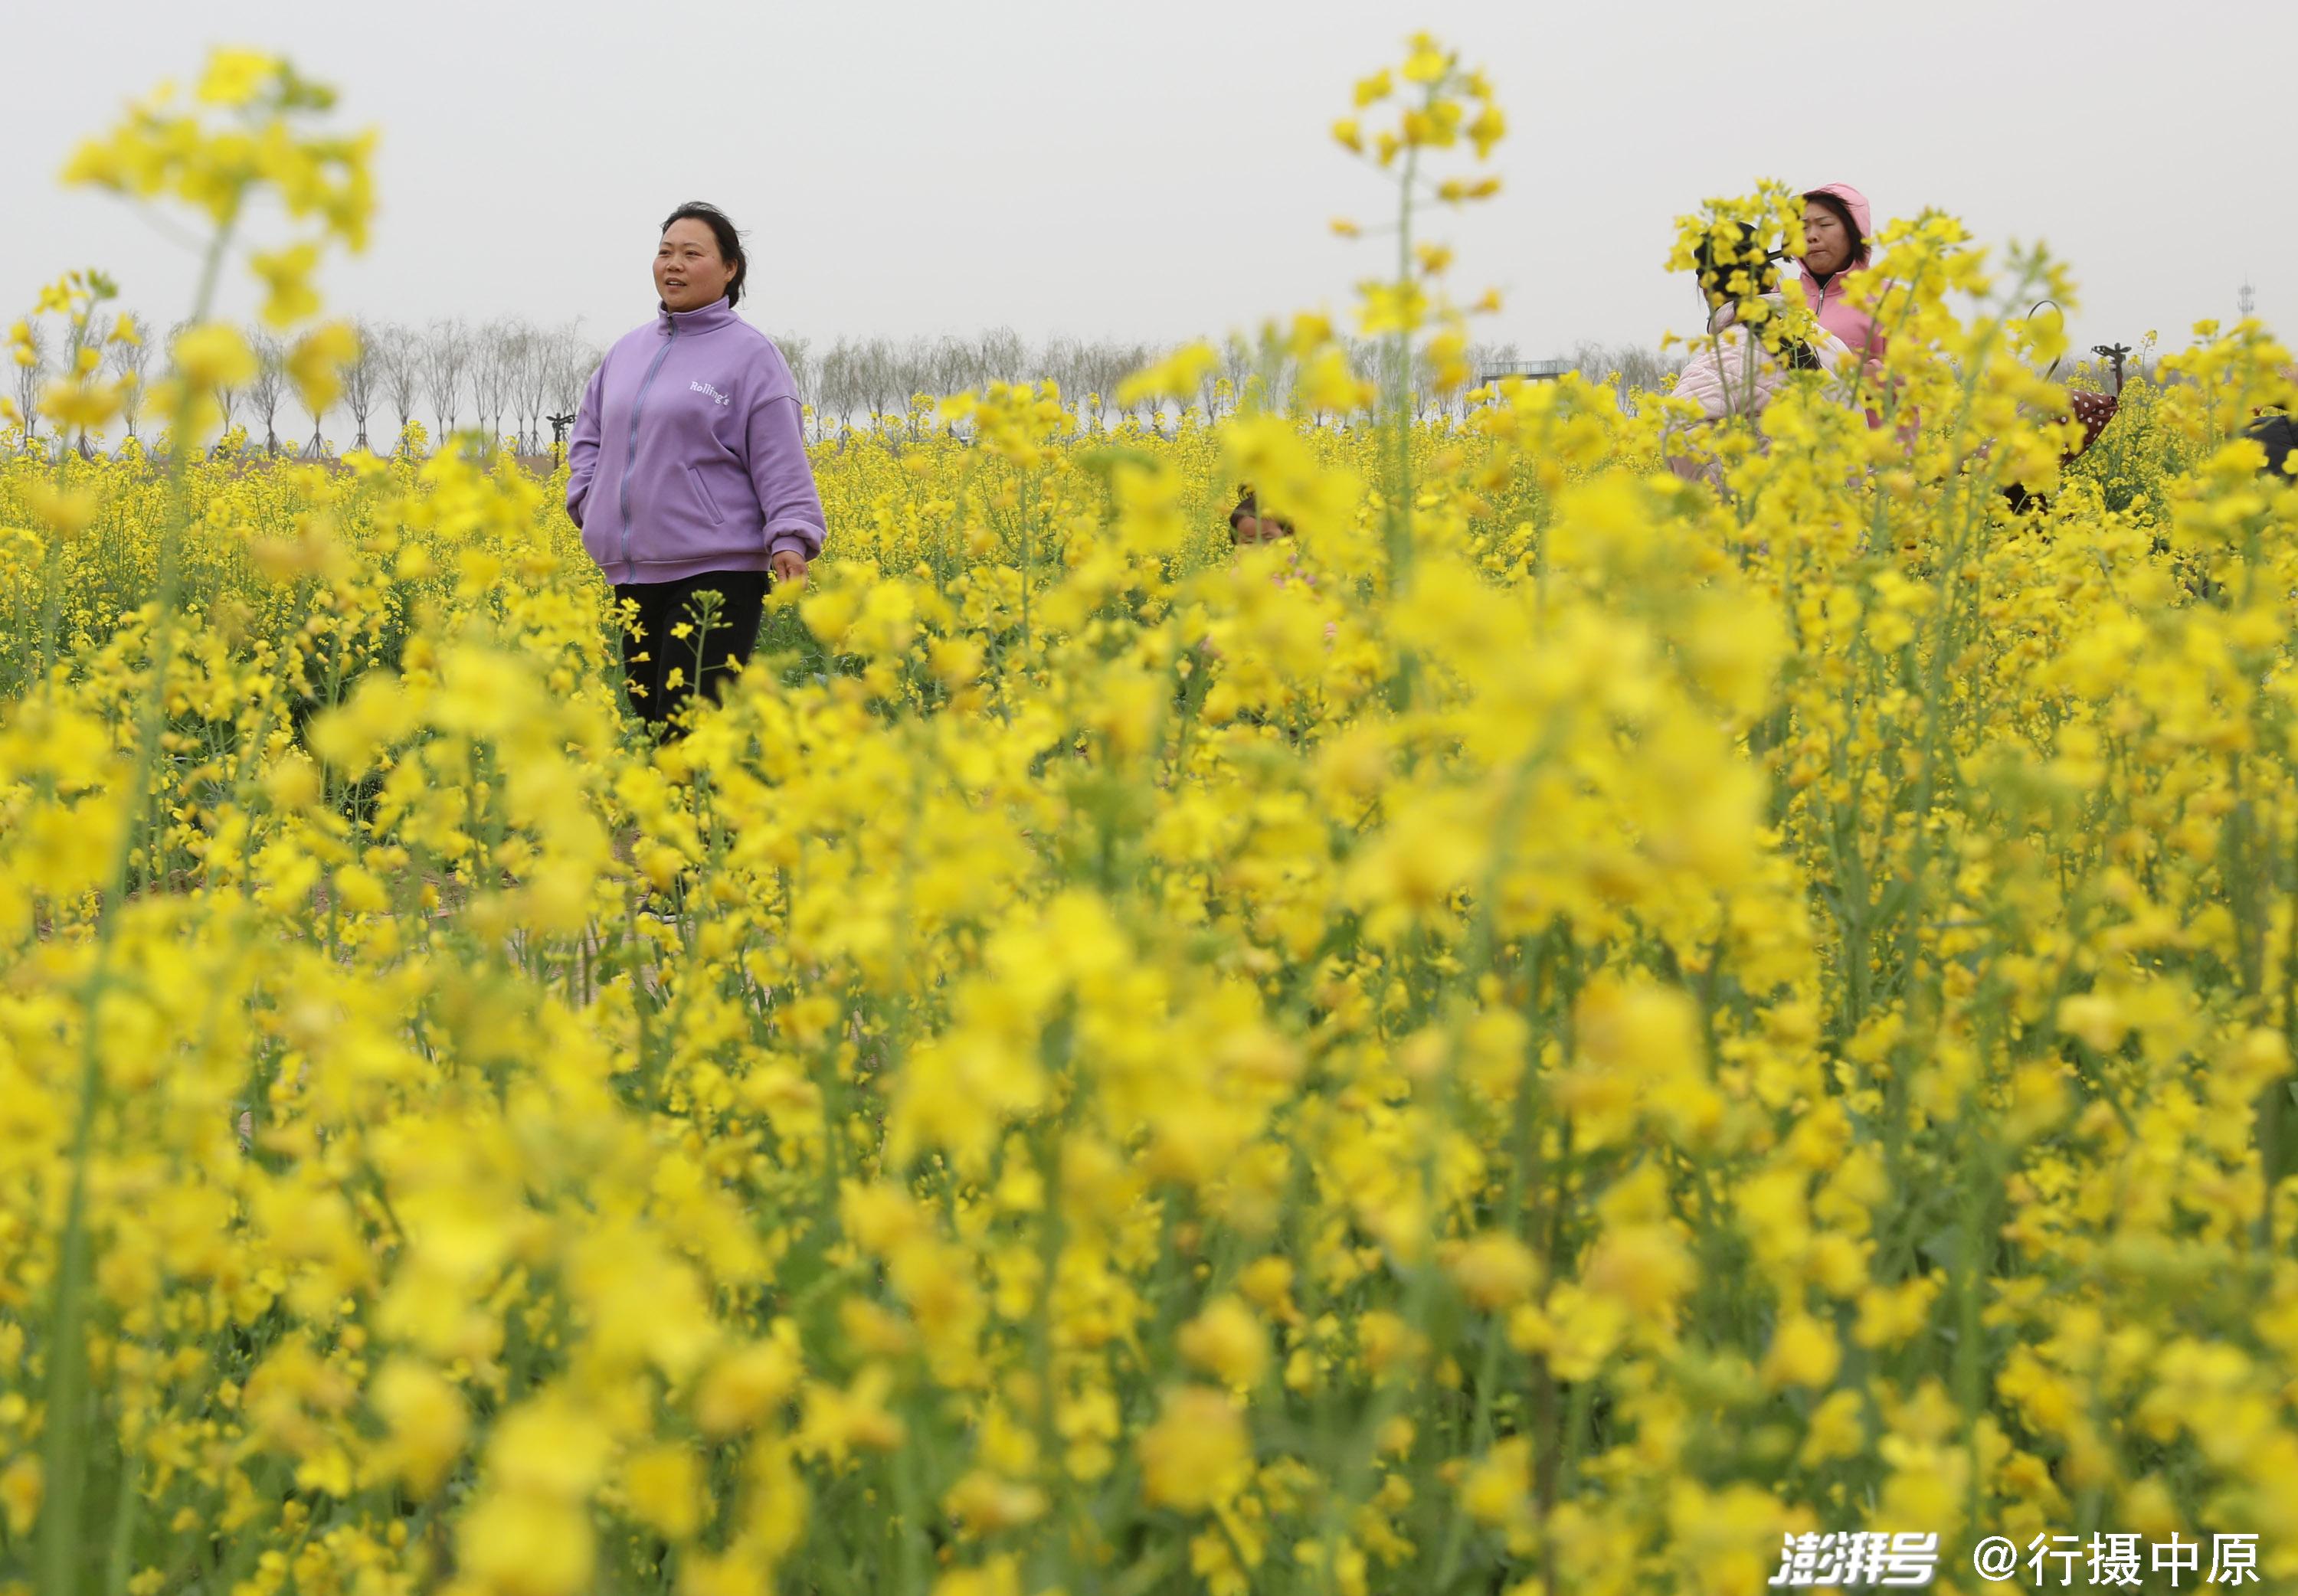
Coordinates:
688 272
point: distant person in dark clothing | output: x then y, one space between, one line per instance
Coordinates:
2274 435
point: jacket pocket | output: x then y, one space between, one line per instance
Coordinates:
709 505
601 521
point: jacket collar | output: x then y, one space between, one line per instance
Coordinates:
1832 283
717 314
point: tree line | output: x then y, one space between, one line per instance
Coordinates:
506 380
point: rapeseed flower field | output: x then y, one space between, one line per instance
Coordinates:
1546 1033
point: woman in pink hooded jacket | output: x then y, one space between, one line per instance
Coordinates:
1836 228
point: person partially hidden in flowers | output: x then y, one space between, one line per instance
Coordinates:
2089 410
1247 526
688 474
2275 434
1736 371
1250 525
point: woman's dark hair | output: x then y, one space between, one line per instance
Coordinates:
729 242
1738 249
1248 503
1843 214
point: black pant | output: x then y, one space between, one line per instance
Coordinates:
710 655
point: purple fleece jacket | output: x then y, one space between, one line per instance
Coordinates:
688 456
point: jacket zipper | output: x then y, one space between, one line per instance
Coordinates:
631 457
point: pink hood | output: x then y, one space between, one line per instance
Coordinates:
1855 202
1854 327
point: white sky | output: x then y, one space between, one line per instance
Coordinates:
1155 168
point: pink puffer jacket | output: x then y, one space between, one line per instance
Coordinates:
1737 376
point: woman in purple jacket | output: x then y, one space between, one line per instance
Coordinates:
687 470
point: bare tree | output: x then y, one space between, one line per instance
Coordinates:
1283 378
1209 393
913 375
956 366
1147 407
531 383
129 359
30 378
1221 390
1239 362
360 379
1368 363
877 377
839 384
1004 358
269 385
316 447
798 355
493 373
175 331
398 368
1058 363
1260 369
1427 402
227 396
443 359
1106 364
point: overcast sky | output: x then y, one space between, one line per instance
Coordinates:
1153 168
